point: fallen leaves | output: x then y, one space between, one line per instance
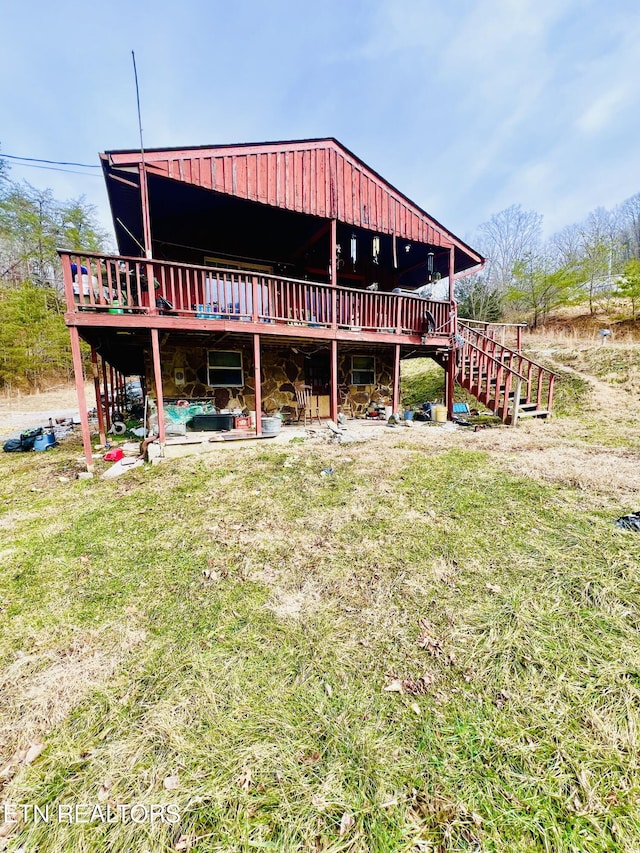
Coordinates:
245 779
33 752
347 822
309 758
427 641
414 686
501 698
103 792
21 758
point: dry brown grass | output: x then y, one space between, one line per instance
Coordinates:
39 689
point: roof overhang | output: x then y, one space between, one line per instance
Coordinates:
317 177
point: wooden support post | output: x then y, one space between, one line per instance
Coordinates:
257 378
450 382
113 398
333 408
107 401
82 402
157 377
452 298
333 271
118 390
519 338
395 399
96 385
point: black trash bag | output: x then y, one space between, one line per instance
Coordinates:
13 445
28 439
629 522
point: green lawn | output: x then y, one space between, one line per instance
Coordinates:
217 633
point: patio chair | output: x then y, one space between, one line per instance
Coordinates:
306 406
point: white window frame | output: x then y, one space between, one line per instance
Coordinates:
212 368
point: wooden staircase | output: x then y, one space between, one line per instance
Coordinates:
503 379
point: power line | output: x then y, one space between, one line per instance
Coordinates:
52 162
56 169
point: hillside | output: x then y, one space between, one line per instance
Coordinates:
426 641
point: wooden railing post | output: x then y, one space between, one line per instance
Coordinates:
516 403
552 379
152 290
254 298
505 397
67 278
539 392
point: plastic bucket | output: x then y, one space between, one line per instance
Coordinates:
44 442
271 426
408 415
439 414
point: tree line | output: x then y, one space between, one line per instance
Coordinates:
34 341
525 277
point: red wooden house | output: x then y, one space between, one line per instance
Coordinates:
248 270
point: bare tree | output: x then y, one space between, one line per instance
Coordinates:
630 221
505 240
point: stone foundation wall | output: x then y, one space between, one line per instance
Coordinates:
184 377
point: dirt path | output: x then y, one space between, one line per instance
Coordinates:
26 411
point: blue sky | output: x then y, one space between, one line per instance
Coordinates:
467 106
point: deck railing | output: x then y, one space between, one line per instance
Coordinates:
507 334
117 284
537 380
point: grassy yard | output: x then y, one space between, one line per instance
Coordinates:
428 641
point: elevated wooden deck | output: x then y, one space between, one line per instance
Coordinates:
133 293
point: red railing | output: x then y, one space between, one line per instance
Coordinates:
490 380
117 284
507 334
537 381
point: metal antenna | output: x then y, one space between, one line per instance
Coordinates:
135 74
146 220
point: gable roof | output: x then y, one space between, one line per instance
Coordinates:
319 177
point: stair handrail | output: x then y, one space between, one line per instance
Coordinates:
501 396
497 360
509 349
541 370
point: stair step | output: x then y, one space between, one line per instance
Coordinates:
527 407
533 413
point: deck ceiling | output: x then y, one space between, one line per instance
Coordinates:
126 351
317 178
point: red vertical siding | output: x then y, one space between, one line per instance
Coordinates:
316 177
